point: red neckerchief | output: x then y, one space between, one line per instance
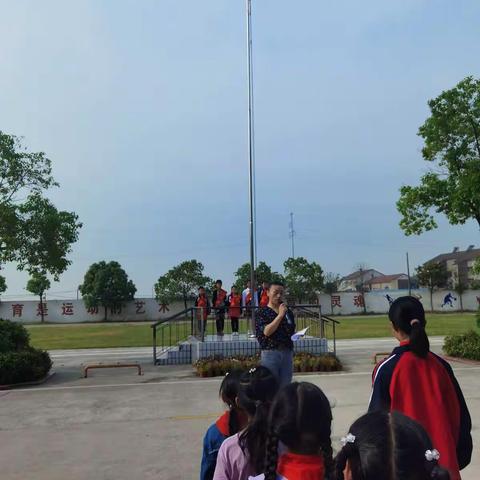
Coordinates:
222 424
405 342
301 467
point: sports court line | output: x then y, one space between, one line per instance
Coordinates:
194 382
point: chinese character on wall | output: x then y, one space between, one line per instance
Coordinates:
359 301
42 309
336 301
17 309
92 310
116 310
163 307
139 307
67 308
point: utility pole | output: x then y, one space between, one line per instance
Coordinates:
292 234
409 279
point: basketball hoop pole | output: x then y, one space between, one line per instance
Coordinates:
251 160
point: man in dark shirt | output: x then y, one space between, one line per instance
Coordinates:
274 326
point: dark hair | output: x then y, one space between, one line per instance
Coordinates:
228 393
258 387
301 418
407 314
388 446
218 281
201 288
278 283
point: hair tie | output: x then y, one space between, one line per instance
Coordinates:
414 321
252 370
348 439
432 455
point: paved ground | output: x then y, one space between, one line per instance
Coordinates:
117 425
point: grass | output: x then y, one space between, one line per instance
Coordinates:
51 337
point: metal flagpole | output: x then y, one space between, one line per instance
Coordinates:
251 164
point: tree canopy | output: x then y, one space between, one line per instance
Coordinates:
33 233
106 285
452 146
38 285
304 279
263 273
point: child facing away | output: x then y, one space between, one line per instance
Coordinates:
300 420
388 446
421 385
243 454
230 423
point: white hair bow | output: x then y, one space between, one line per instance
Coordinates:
348 439
431 455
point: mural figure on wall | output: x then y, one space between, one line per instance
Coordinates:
389 298
448 300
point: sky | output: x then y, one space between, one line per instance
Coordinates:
142 108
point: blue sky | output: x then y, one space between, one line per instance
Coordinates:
141 105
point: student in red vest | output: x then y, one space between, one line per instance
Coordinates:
219 302
263 294
204 310
234 302
421 385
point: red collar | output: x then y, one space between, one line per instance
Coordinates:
405 342
301 467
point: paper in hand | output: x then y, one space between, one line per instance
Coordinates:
298 335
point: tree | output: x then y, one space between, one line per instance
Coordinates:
476 266
38 285
181 282
460 288
263 273
304 279
452 143
33 232
432 275
106 285
3 285
330 286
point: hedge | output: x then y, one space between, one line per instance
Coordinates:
303 362
466 345
19 362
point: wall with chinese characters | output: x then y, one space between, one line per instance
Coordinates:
74 311
351 303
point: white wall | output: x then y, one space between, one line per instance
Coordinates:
377 302
74 311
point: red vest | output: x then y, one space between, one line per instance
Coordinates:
221 296
264 298
235 303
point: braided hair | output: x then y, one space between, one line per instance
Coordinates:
389 446
301 419
228 393
407 314
257 390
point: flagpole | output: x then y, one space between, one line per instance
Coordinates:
251 161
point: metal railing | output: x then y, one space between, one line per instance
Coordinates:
169 333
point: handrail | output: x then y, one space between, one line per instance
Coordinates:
165 320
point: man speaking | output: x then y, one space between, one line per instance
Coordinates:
274 327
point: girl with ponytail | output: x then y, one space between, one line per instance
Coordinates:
300 420
388 446
421 385
243 454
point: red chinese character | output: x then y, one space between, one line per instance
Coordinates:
139 307
336 301
17 309
358 301
92 310
116 310
42 309
163 307
67 308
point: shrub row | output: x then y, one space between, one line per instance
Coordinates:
466 345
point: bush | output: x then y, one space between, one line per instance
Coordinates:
303 362
466 345
24 366
13 336
18 361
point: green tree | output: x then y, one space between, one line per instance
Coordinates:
106 285
331 282
181 282
304 279
460 288
452 145
38 285
476 266
33 233
3 285
432 275
263 273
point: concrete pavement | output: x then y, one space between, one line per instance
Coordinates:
117 425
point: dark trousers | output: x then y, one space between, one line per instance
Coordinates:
220 320
234 324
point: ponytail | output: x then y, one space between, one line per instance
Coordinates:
419 343
271 455
407 315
